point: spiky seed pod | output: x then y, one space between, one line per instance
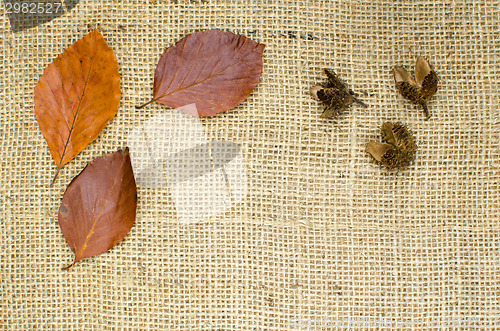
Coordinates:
335 100
399 135
403 138
429 85
408 88
334 81
389 155
335 95
387 133
398 148
419 89
380 150
426 77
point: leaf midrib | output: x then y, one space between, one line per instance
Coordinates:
79 104
210 76
96 218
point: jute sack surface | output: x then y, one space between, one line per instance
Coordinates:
325 237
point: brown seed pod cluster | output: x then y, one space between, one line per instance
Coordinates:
419 89
397 149
335 95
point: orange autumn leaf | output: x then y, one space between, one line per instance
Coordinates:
76 96
99 206
213 69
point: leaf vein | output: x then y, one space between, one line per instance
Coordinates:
79 103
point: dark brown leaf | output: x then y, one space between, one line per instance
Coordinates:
76 96
213 69
98 208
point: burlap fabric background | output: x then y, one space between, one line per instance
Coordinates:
325 237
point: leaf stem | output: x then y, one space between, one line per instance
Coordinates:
54 179
360 102
144 105
426 111
72 264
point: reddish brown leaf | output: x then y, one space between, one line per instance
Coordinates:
76 96
99 205
214 69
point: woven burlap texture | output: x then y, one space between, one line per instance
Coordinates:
325 237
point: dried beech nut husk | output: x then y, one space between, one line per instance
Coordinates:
335 95
397 149
407 87
426 77
314 91
378 150
419 89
